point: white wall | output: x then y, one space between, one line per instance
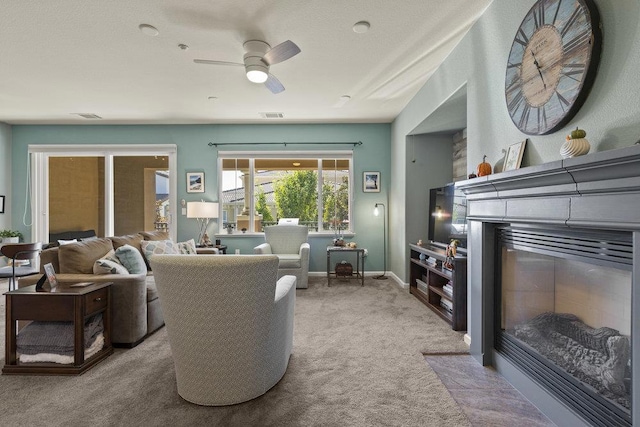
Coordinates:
610 115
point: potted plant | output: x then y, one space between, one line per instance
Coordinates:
10 236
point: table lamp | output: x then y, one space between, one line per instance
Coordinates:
203 212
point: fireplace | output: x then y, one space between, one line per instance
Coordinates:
553 283
565 315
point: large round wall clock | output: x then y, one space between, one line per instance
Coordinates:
552 64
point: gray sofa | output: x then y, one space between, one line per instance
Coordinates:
135 307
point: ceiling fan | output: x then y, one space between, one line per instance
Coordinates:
259 57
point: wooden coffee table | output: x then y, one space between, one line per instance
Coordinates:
63 304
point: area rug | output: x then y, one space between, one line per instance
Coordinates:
357 362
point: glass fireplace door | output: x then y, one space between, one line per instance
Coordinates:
566 301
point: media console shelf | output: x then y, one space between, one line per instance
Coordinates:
428 282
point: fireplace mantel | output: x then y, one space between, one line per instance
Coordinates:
596 190
599 192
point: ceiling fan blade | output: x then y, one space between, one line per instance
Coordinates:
273 84
281 52
212 62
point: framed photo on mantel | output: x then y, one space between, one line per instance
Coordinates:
513 158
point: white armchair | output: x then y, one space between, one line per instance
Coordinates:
230 325
289 244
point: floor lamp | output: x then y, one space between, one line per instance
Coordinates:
203 212
384 233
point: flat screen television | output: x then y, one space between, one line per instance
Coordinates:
447 215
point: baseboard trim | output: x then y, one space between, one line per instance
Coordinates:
467 339
390 274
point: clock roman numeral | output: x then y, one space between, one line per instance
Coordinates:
573 69
555 15
538 18
572 20
576 44
515 84
542 119
515 102
524 41
563 101
524 118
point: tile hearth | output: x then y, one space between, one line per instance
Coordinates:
485 397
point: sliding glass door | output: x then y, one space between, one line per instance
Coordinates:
114 191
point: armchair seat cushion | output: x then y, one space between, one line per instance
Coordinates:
289 244
289 260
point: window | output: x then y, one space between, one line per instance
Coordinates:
257 191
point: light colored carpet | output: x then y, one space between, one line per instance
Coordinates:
357 362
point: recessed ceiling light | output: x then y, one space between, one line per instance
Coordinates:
343 100
272 115
361 27
148 30
87 115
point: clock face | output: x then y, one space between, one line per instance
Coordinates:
552 64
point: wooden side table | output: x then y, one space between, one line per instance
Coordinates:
207 250
358 273
63 304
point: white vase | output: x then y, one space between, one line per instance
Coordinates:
10 239
574 148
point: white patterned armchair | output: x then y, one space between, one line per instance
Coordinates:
230 324
289 244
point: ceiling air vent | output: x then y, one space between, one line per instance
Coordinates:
272 115
88 115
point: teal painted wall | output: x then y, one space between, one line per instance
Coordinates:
194 155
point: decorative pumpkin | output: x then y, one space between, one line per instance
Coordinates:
575 145
578 133
484 168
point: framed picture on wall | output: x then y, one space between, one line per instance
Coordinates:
513 158
1 204
195 182
371 182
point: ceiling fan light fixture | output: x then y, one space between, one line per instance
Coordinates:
256 75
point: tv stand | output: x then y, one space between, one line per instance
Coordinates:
427 282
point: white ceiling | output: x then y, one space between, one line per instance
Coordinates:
63 57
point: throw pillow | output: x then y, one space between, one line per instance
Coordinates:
108 266
131 259
187 248
155 235
79 257
66 242
111 256
153 247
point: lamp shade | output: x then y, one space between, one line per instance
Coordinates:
202 210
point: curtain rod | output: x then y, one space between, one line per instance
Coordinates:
217 144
